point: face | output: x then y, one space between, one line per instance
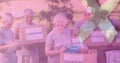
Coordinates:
28 17
104 14
7 23
60 23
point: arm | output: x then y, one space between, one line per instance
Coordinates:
27 43
77 25
2 47
50 44
12 46
16 37
16 33
49 51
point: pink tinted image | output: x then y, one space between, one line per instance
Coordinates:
61 41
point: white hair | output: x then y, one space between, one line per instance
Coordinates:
28 10
6 16
59 17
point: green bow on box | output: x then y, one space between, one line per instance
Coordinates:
99 19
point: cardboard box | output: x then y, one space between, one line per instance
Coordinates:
90 57
113 56
32 34
97 38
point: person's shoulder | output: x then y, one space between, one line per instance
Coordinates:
50 35
79 22
52 32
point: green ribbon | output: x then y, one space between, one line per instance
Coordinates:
99 19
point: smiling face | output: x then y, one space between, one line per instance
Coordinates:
60 21
28 16
7 20
60 24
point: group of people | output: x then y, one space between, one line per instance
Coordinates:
62 34
11 49
14 51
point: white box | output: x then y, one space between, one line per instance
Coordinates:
32 34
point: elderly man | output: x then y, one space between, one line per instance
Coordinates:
29 52
7 46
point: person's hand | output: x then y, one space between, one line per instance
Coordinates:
63 49
12 47
16 45
13 44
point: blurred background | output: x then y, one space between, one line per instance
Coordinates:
44 10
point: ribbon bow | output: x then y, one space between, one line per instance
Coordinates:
99 19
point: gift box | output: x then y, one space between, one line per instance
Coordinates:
90 57
76 42
113 56
32 34
97 38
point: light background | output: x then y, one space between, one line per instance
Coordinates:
16 7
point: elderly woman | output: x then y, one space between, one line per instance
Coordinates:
58 38
7 46
29 52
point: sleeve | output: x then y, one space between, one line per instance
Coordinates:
77 25
49 40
